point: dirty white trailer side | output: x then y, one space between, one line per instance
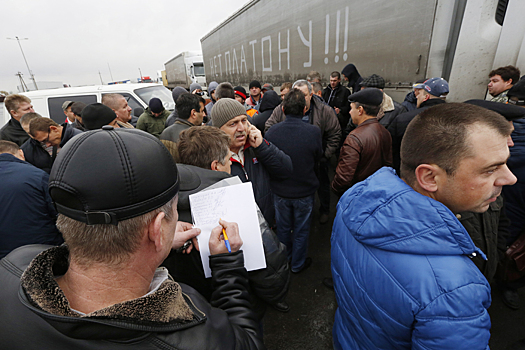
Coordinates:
402 40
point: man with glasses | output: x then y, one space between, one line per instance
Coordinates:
49 133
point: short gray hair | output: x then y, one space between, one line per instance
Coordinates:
107 243
224 90
302 82
111 100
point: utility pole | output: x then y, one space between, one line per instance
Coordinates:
22 82
140 75
30 72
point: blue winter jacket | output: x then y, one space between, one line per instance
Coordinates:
402 273
27 214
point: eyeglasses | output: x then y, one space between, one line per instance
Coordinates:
44 141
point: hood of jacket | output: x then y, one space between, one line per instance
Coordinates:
386 213
350 71
270 100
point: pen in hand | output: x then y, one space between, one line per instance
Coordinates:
226 241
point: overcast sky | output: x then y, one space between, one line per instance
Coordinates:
71 41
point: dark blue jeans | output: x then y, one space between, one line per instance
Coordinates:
293 218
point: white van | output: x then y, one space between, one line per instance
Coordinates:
48 103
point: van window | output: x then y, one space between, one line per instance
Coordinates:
55 105
160 92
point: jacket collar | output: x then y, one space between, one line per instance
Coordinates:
7 157
183 122
163 310
432 102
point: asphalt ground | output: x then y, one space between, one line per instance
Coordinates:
308 324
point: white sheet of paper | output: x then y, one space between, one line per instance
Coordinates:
234 203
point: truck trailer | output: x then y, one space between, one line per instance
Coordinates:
402 40
184 69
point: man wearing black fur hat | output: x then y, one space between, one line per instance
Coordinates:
116 193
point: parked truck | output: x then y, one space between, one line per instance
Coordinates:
402 40
184 69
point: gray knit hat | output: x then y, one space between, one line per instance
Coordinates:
225 110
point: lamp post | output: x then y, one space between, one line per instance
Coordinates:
30 72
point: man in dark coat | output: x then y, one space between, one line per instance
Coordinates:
190 112
270 100
336 96
432 92
17 106
320 114
179 90
254 159
34 152
27 214
50 134
294 197
352 76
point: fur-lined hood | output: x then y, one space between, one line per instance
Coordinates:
165 306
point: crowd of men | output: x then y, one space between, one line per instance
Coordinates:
99 251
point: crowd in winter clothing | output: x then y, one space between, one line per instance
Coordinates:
414 253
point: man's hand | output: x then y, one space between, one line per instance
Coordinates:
217 245
337 110
254 136
184 232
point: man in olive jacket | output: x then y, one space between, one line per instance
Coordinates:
154 118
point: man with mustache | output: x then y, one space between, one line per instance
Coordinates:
401 260
253 158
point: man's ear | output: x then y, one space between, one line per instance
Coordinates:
155 231
213 165
428 176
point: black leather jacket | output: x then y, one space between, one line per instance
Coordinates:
229 324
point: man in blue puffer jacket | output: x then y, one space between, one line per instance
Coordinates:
400 258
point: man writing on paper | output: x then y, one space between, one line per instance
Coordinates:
205 160
103 289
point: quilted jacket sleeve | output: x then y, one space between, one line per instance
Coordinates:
455 320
